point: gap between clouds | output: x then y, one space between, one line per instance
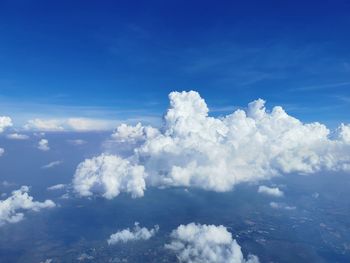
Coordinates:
192 149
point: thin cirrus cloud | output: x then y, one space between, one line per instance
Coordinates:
70 124
192 149
51 165
196 243
12 209
137 233
273 191
17 136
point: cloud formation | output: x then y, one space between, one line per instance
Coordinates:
56 187
195 243
17 136
69 124
2 151
192 149
43 145
273 191
5 122
109 175
12 208
51 164
137 233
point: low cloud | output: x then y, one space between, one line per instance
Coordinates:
276 205
5 122
12 209
56 187
17 136
195 243
43 145
273 191
51 164
137 233
192 149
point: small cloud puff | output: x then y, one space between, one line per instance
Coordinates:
5 122
11 209
137 233
56 187
276 205
195 243
273 191
43 145
2 151
17 136
51 164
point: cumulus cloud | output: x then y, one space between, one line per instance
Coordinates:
195 243
56 187
43 145
17 136
5 122
109 175
12 209
273 191
192 149
51 164
2 151
69 124
137 233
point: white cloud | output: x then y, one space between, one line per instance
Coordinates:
274 191
192 149
5 122
276 205
109 175
56 187
12 208
70 124
44 125
17 136
51 164
137 233
195 243
43 145
2 151
77 142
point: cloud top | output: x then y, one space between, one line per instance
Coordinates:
193 149
137 233
195 243
12 209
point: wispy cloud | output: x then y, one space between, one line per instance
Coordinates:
322 86
52 164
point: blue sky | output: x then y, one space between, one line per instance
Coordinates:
120 59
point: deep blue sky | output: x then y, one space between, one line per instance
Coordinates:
122 58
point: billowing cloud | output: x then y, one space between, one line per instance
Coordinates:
195 243
17 136
51 164
5 122
12 209
273 191
69 124
43 145
137 233
192 149
109 175
56 187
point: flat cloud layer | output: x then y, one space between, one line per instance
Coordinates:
11 209
193 149
195 243
137 233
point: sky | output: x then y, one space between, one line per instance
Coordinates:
119 60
